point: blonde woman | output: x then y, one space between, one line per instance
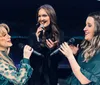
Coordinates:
9 74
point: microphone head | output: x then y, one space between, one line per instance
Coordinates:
21 45
71 41
75 41
42 26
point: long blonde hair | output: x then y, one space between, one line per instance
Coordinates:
3 58
90 48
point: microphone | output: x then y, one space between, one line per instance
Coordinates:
54 52
41 26
35 52
42 31
70 42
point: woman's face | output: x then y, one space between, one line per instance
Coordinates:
5 39
43 18
89 28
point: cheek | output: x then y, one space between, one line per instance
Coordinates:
88 37
2 43
48 23
38 19
2 40
48 19
91 36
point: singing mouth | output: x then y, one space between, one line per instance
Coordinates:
43 21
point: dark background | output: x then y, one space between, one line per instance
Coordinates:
20 15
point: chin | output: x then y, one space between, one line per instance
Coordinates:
87 39
10 45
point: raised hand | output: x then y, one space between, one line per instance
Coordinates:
39 29
50 43
27 51
66 50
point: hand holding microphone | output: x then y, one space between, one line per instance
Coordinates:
39 30
27 48
71 41
27 51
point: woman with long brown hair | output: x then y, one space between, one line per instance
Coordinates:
45 40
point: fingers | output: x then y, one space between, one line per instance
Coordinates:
64 45
64 48
61 50
39 29
50 43
27 47
27 51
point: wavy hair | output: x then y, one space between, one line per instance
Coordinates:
90 48
53 20
3 58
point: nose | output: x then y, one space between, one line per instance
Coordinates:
41 20
85 28
9 36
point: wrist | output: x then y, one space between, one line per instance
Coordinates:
71 57
26 57
25 60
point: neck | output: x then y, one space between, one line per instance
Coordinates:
3 49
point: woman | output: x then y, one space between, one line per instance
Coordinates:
47 39
9 74
86 70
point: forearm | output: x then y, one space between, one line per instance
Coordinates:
76 70
15 76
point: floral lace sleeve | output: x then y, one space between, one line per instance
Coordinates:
16 76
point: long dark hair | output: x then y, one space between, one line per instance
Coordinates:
54 30
93 46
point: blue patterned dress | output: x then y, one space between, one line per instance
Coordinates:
10 75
